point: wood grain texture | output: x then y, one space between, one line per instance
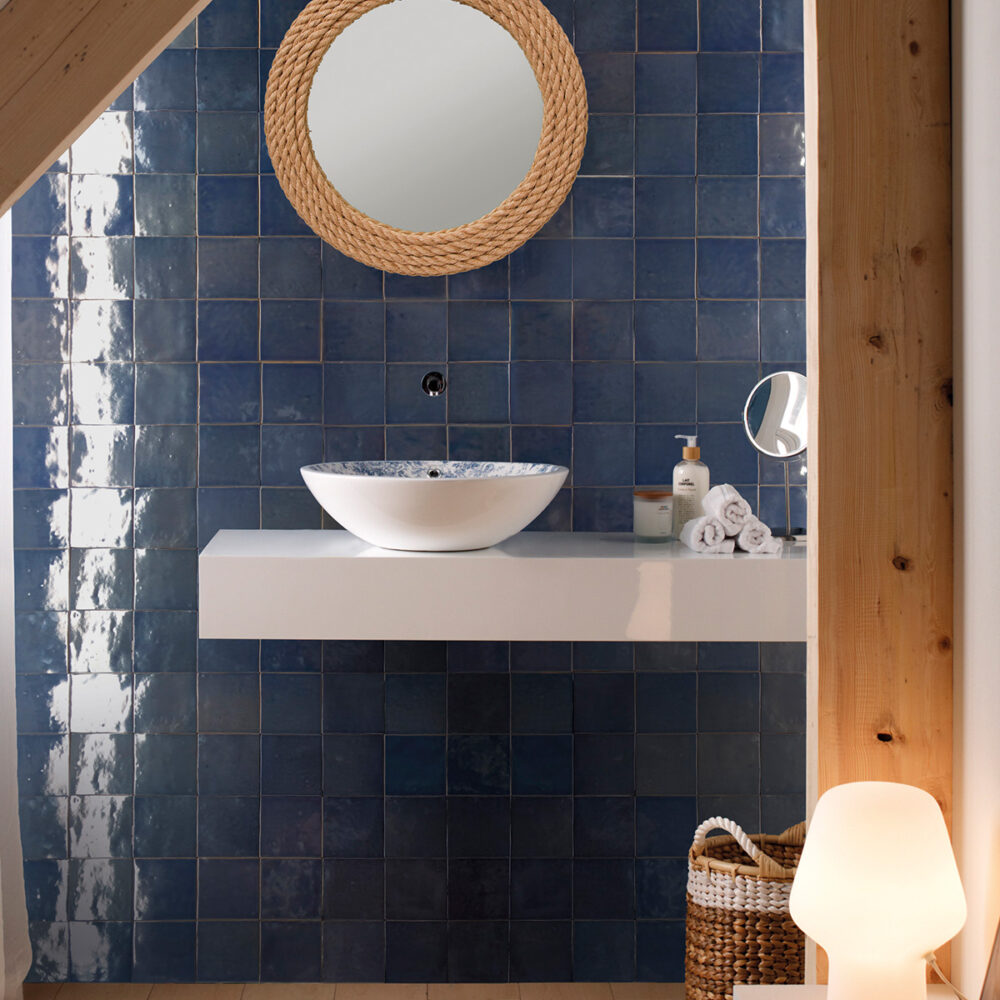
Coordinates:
880 363
62 63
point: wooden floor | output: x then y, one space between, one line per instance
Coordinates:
355 991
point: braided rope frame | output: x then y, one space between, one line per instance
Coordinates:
448 251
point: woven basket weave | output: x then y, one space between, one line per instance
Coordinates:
738 926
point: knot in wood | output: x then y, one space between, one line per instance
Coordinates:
901 563
914 48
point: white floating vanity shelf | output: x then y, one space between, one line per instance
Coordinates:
534 586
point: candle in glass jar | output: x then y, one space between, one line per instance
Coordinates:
653 515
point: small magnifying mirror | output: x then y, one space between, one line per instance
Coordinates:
776 421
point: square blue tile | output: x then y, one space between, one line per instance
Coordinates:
727 144
477 393
665 83
228 143
782 206
227 206
541 392
727 331
353 765
781 21
164 951
164 142
727 82
228 826
781 86
415 765
604 764
228 23
602 391
165 640
227 80
291 765
290 703
229 393
603 269
42 209
665 393
290 826
290 268
284 450
665 331
479 444
416 331
403 441
602 206
783 330
668 25
290 330
228 889
665 144
353 331
602 331
783 269
228 764
729 25
168 84
478 331
723 390
610 79
489 282
405 400
100 205
610 146
166 579
165 703
727 269
165 826
540 331
541 269
227 268
602 26
354 394
664 268
227 330
782 144
40 330
665 206
165 393
165 456
226 508
292 393
602 509
727 206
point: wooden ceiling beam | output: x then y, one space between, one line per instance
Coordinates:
62 63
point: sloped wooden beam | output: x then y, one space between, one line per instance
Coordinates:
62 62
878 175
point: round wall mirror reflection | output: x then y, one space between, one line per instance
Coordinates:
426 137
776 419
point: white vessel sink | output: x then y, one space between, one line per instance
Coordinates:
433 506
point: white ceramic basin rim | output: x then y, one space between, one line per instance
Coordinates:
430 506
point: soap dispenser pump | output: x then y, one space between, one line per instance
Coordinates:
690 483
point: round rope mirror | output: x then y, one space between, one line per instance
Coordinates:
473 244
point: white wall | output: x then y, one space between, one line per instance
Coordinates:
976 40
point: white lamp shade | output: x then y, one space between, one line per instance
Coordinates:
877 885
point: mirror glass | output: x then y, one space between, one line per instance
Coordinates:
425 114
776 415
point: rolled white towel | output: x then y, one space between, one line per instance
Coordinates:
725 503
755 536
703 534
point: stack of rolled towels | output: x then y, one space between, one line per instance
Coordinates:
728 523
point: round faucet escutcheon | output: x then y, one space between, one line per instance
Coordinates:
434 384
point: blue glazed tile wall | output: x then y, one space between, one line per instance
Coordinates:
182 344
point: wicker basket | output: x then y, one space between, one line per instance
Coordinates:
738 926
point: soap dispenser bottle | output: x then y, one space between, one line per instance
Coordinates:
690 483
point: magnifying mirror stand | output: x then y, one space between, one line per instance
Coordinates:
789 537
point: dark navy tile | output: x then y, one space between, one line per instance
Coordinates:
477 765
604 827
291 765
478 393
292 393
353 703
415 657
664 765
782 206
414 827
603 703
478 331
478 657
477 950
165 826
227 143
665 84
408 286
727 206
727 269
669 26
406 402
660 951
664 268
165 518
783 764
165 142
284 450
229 455
353 331
291 826
541 703
290 951
228 655
665 144
418 443
42 209
166 579
729 25
542 444
660 888
541 392
727 144
353 951
352 443
541 827
228 23
41 394
165 394
783 269
276 18
345 278
602 330
228 826
45 886
40 330
228 764
228 951
723 389
354 889
604 27
541 889
40 267
603 888
165 764
290 703
728 763
602 206
353 827
727 83
164 951
603 454
610 145
227 268
728 702
478 703
541 951
165 703
227 80
666 703
416 331
602 391
227 331
783 657
165 641
355 394
783 702
277 216
43 826
168 84
542 765
415 703
782 144
100 826
665 393
416 889
610 79
415 765
602 509
781 87
416 951
165 456
665 206
479 444
603 269
603 764
781 21
227 206
291 889
728 656
290 268
490 282
727 331
665 331
663 826
290 330
100 764
478 827
541 269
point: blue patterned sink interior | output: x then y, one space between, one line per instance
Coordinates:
435 470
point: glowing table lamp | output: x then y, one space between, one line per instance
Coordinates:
878 888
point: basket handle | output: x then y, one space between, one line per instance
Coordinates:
767 865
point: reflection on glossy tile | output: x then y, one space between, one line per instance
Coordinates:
102 331
102 456
43 765
106 147
45 889
40 267
40 642
100 764
41 518
101 268
101 518
100 889
100 826
101 205
101 703
40 330
100 641
50 947
40 580
103 393
40 394
101 578
100 951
